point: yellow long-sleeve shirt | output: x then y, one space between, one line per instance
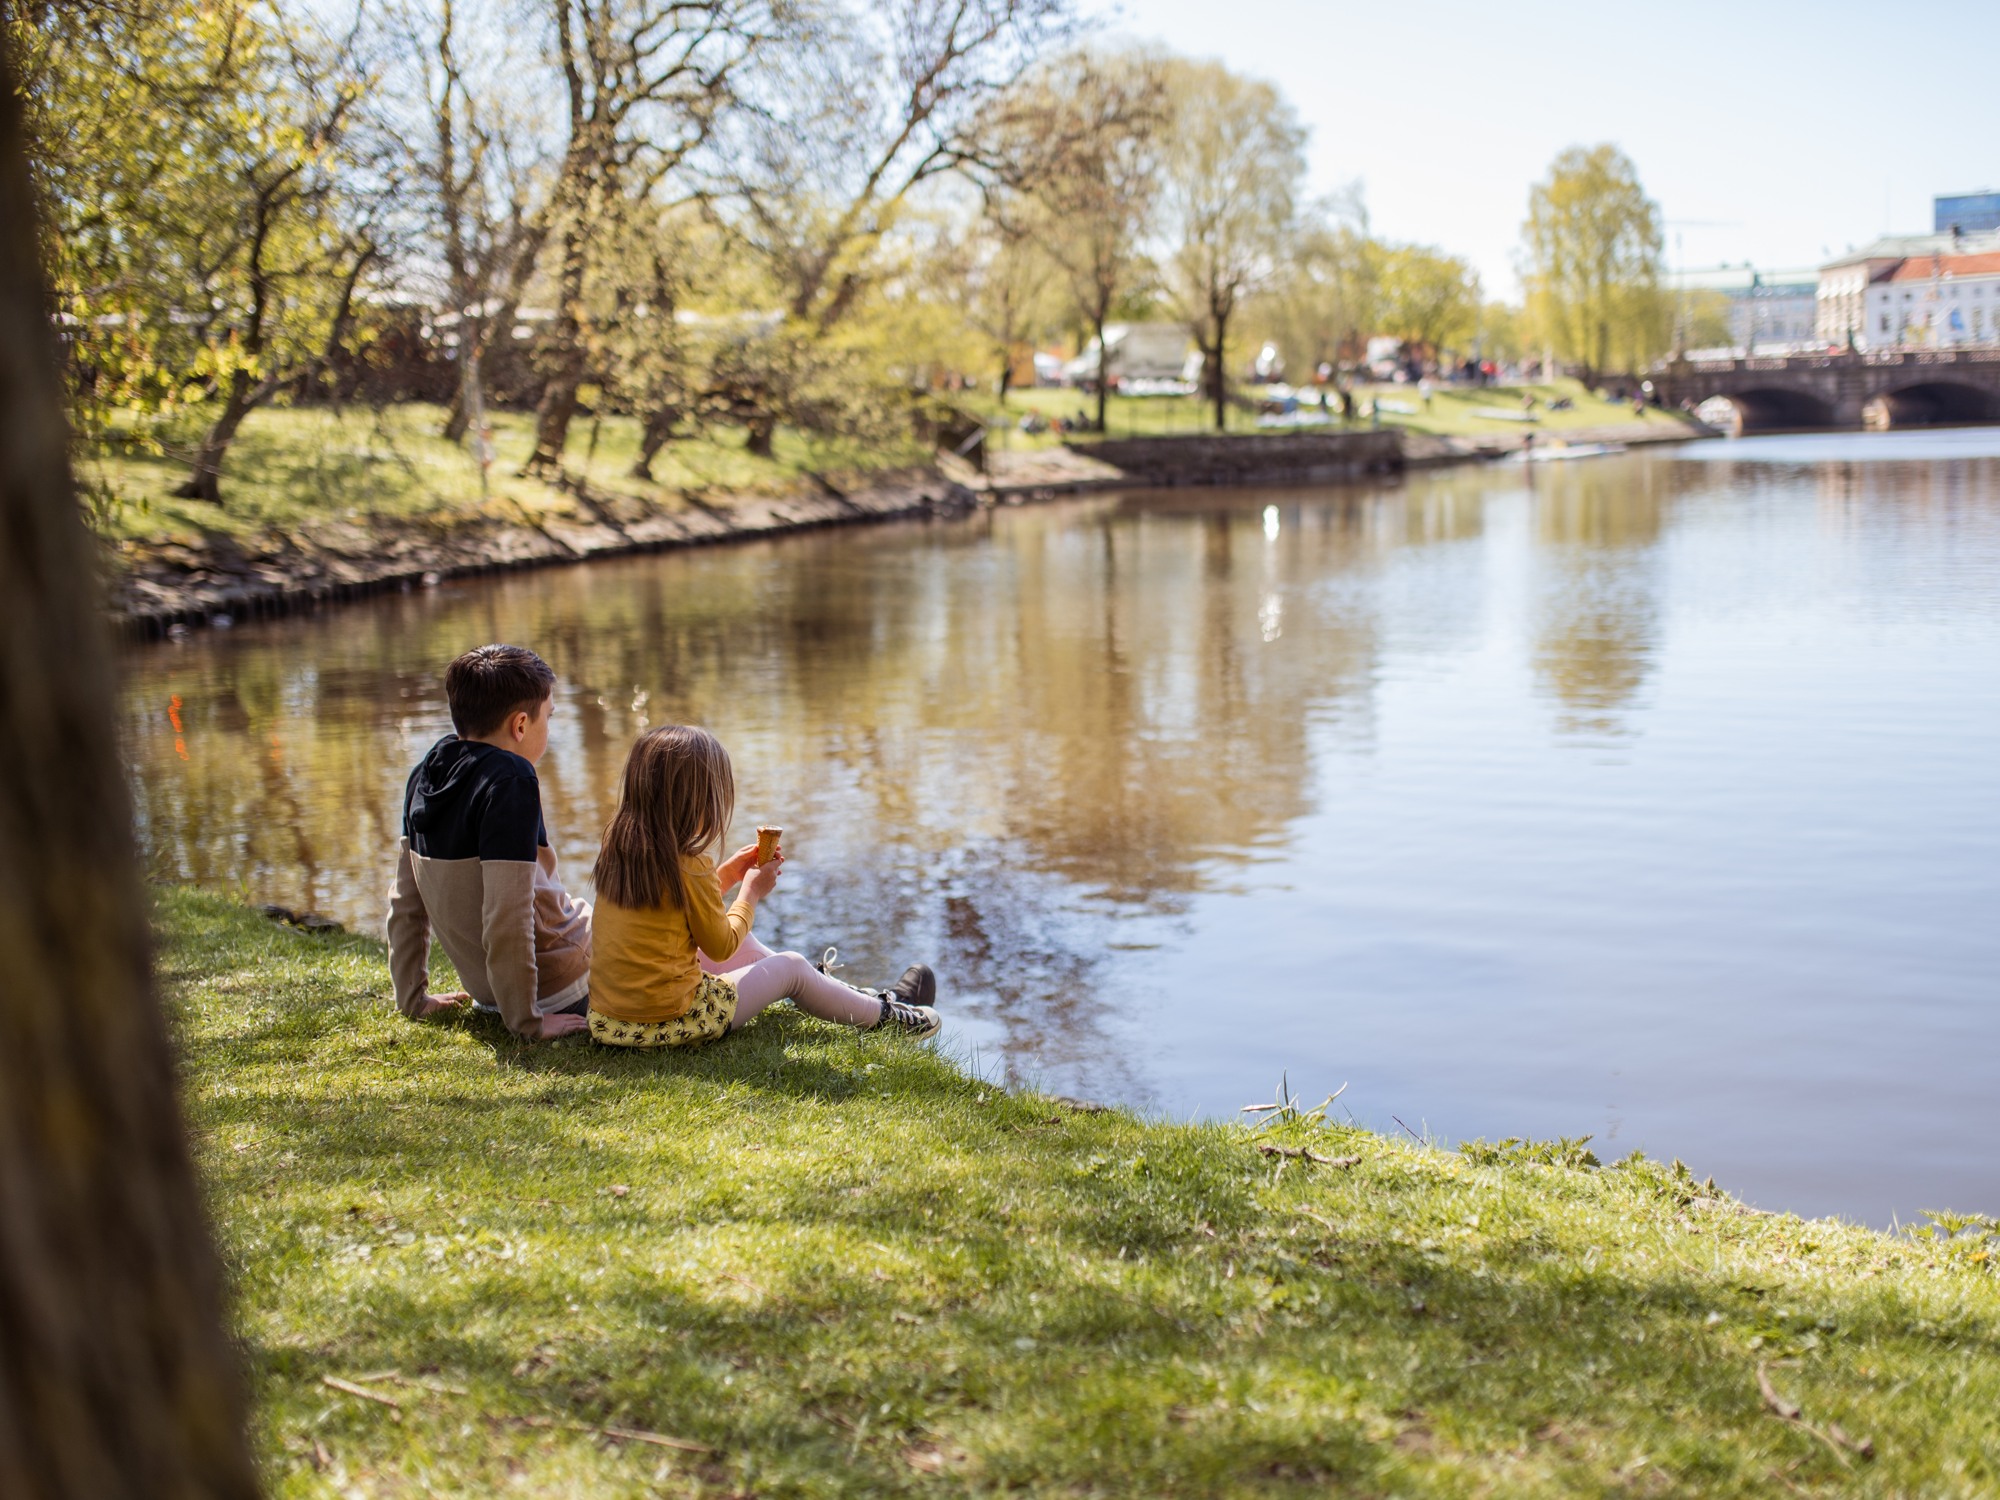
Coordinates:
645 964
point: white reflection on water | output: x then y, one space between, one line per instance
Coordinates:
1651 797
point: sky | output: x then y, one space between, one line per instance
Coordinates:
1770 131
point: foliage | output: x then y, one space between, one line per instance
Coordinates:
1592 261
1326 297
1233 163
141 98
677 220
1564 1151
999 275
1428 298
208 227
847 121
1082 145
1502 335
644 83
830 1263
1705 320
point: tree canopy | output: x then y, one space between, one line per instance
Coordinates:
1593 242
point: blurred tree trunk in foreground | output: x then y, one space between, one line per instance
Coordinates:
116 1379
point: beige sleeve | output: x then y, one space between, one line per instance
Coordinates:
507 929
409 936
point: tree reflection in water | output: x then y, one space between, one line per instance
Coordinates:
1597 534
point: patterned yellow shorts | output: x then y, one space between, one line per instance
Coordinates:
706 1019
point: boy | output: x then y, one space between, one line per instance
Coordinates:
475 864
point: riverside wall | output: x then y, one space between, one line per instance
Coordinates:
1259 458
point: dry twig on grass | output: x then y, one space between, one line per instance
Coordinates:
1834 1436
617 1434
349 1388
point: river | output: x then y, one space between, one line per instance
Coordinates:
1653 797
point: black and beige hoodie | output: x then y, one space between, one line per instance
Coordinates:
475 867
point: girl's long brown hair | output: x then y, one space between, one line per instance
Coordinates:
679 796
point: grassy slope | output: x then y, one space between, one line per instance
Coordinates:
849 1269
291 465
1453 413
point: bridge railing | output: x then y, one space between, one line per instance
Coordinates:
1871 358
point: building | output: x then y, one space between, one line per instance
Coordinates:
1771 312
1968 213
1913 291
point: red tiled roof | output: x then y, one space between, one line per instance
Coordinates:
1923 267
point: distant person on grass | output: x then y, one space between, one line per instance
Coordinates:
475 866
673 967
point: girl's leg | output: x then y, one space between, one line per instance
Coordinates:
787 976
748 952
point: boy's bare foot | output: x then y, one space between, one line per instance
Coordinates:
562 1024
437 1005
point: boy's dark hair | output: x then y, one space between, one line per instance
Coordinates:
487 684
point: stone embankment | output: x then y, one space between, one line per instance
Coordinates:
158 588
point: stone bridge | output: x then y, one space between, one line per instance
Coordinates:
1881 388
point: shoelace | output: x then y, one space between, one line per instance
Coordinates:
829 961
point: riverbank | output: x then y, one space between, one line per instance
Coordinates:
286 543
812 1261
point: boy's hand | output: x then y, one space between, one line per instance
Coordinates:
561 1025
763 878
436 1005
731 869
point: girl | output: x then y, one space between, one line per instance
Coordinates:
671 967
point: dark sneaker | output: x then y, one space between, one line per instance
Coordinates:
918 986
913 1021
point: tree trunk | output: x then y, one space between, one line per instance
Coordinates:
1103 371
559 395
655 428
117 1380
458 419
1219 377
205 483
762 429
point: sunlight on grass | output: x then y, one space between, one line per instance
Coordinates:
294 466
830 1263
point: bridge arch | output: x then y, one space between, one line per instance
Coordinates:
1769 409
1927 403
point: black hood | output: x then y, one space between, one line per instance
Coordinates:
470 800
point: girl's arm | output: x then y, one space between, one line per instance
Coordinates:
716 932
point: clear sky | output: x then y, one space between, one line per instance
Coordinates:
1790 130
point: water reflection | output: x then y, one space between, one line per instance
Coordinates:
1598 529
1182 789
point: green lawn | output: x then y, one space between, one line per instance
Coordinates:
814 1262
1453 412
291 465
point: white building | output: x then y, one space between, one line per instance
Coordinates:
1770 312
1928 291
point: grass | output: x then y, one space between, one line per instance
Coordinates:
294 465
837 1265
379 470
1454 412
